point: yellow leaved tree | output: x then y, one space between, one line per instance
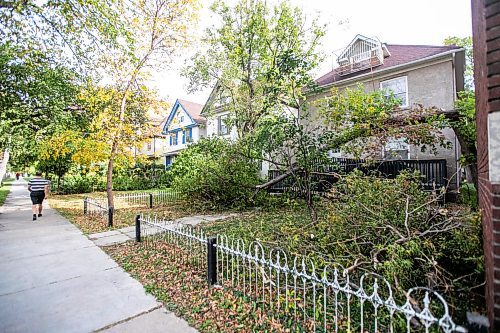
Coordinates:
157 30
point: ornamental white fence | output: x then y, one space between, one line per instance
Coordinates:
297 293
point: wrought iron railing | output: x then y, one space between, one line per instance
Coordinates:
99 207
433 173
302 296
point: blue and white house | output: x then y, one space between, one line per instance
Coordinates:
184 125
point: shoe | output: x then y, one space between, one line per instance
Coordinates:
34 217
39 215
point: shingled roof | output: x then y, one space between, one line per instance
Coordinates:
399 55
194 110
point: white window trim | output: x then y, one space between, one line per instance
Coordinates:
220 119
406 84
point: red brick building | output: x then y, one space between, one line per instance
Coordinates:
486 37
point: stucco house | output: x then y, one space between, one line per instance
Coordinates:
416 74
183 125
154 146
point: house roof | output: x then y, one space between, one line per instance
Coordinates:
194 110
399 55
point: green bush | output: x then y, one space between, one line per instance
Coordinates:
78 183
468 195
215 174
397 230
137 179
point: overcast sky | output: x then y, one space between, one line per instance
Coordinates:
421 22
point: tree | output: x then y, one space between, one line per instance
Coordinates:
464 124
157 29
353 121
68 29
35 101
466 43
259 58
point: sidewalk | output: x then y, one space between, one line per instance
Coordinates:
54 279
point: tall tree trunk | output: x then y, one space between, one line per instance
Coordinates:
468 150
114 147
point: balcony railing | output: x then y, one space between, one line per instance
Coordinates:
433 173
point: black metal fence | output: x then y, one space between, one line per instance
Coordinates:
433 173
99 207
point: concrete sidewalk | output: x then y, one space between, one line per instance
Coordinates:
54 279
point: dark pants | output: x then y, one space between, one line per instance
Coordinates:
37 197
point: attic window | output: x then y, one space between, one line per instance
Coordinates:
399 87
361 53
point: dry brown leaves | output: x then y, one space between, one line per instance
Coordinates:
71 207
182 287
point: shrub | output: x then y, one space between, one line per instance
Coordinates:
395 229
139 179
78 183
214 173
468 195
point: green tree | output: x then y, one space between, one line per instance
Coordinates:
259 58
464 121
37 99
466 43
68 29
158 28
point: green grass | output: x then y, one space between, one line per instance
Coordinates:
5 189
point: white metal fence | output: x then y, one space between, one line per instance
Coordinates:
300 295
149 199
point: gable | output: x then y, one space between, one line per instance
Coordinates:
215 102
177 119
359 47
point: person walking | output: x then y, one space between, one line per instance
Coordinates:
39 191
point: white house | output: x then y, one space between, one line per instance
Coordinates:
182 126
215 112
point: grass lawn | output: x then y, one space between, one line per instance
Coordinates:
71 207
288 228
5 189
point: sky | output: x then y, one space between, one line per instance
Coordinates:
411 22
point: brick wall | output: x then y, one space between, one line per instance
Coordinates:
486 36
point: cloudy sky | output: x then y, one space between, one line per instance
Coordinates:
422 22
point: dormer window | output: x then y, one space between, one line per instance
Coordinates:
360 54
399 87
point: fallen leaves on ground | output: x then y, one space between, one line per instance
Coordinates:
167 272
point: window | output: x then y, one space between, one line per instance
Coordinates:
168 161
222 129
189 134
181 119
149 146
174 138
396 149
399 86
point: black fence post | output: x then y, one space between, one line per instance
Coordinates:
110 216
150 200
212 261
85 203
138 228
